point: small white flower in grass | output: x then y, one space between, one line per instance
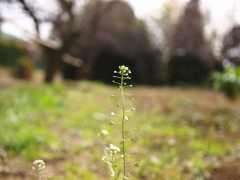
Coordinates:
39 164
104 133
114 148
104 158
171 141
112 113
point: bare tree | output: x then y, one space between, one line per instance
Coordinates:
62 18
87 32
231 43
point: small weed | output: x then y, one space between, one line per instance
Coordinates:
111 157
39 169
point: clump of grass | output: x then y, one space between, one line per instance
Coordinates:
111 156
25 119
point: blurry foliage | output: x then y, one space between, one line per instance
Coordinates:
188 57
170 12
187 69
228 81
189 33
112 35
186 51
10 51
231 41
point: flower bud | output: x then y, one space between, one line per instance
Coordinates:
136 164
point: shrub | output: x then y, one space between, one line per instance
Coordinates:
228 81
187 69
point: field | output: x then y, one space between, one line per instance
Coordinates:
182 133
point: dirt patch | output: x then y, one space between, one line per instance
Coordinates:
7 174
229 170
8 79
53 167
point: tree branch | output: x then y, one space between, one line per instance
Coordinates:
31 13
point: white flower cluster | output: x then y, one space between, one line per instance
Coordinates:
111 158
114 149
124 70
104 133
39 165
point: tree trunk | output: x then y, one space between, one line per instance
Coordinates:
53 62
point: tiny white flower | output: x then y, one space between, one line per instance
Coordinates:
171 141
114 148
39 164
104 158
104 132
112 113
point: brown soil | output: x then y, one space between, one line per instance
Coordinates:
229 170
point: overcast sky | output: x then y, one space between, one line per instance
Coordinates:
222 13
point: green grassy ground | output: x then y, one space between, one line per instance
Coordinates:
181 133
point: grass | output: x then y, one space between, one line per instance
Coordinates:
182 133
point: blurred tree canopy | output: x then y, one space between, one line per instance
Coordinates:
61 13
89 39
85 33
112 35
10 50
190 56
231 42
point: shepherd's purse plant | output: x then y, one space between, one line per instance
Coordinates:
117 158
38 169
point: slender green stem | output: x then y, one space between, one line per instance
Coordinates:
123 120
38 175
114 169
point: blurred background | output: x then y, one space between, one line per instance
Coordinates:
164 42
57 59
